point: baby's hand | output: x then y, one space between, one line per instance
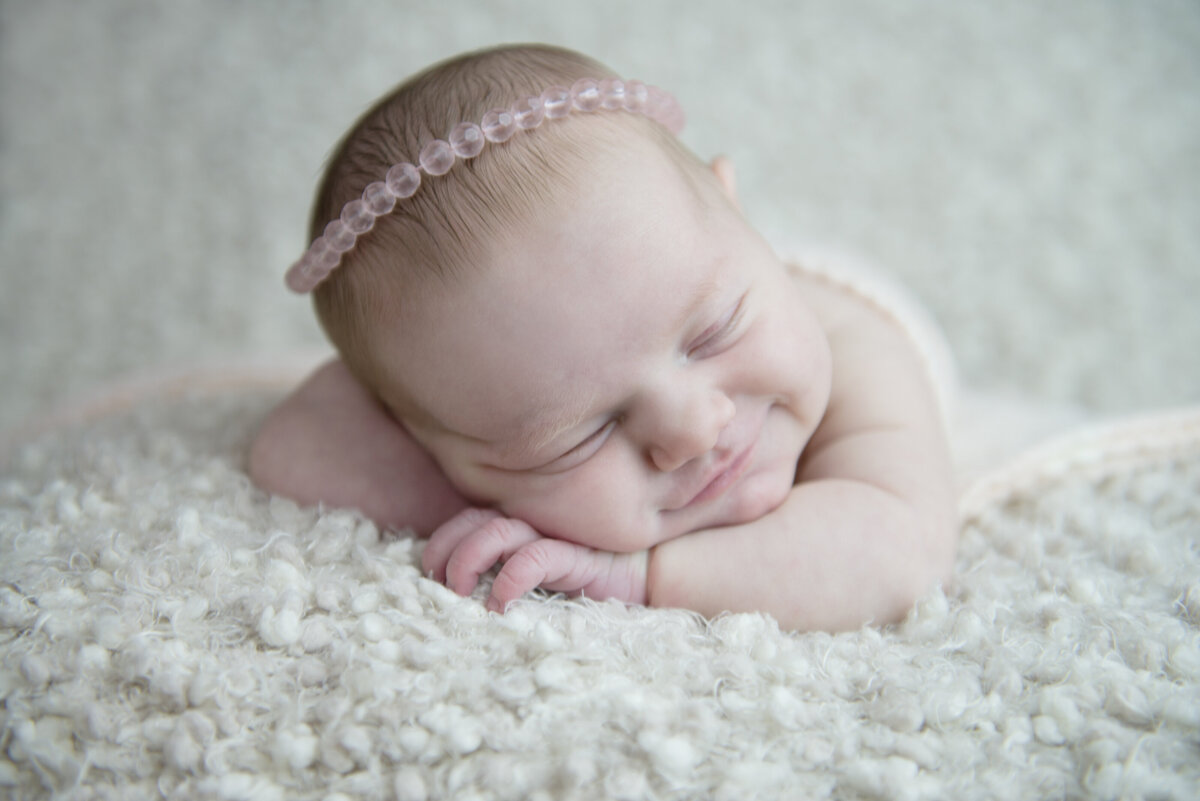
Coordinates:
471 542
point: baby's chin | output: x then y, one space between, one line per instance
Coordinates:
754 497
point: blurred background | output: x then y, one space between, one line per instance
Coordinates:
1030 170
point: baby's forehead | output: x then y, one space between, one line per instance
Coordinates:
534 287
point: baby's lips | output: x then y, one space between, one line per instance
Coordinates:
715 474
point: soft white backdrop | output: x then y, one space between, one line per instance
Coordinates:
1029 169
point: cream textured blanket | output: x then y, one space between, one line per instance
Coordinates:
166 630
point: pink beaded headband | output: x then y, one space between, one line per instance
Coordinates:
466 141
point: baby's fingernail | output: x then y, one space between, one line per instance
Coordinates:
494 605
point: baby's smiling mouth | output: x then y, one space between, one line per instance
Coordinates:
720 479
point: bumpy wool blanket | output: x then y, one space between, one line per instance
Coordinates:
168 630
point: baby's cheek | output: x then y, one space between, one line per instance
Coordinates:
793 360
470 482
598 527
599 517
606 503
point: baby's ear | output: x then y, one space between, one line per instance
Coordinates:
722 167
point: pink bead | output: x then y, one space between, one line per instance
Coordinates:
585 94
437 157
357 217
315 275
313 268
660 106
498 125
612 94
299 280
635 95
529 112
467 140
403 180
557 100
653 102
305 265
378 198
299 284
339 237
323 256
671 115
316 250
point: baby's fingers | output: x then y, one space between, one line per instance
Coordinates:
446 537
495 541
552 564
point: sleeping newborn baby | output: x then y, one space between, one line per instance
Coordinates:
564 351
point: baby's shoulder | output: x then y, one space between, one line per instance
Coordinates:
843 307
881 373
883 415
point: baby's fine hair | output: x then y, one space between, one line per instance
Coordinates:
438 232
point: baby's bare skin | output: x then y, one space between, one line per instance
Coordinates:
867 527
870 523
331 442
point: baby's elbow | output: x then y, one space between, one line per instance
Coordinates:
935 542
942 543
928 542
275 461
265 464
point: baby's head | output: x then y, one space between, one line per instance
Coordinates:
576 323
441 234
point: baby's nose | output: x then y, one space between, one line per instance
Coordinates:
690 429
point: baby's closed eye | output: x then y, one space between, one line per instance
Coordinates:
720 334
580 452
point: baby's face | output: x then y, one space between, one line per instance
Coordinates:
633 365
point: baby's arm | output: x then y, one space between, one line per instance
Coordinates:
332 442
870 524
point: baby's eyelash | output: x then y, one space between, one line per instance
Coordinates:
590 438
721 329
580 452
